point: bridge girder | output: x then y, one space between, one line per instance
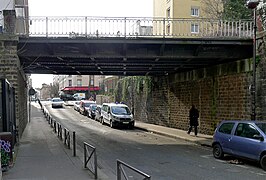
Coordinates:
120 56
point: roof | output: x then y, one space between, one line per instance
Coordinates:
115 104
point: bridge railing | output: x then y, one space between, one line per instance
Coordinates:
97 27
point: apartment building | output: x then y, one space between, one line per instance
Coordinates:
180 17
78 82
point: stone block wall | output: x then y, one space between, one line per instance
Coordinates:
10 70
220 93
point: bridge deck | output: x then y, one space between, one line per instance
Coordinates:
127 56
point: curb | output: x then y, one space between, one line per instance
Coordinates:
205 144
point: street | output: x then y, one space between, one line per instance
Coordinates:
159 156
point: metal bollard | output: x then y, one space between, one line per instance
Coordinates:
74 143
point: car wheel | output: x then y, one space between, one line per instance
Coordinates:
218 151
263 162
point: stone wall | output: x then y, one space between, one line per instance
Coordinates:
10 70
219 93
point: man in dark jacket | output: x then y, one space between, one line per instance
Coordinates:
193 119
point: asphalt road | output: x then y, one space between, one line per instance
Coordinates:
161 157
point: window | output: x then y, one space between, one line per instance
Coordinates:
168 13
226 128
195 11
194 28
262 127
79 82
246 130
69 82
168 29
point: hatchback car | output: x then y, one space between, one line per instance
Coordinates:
246 139
91 111
84 106
57 102
98 114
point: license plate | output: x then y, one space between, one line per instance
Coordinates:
125 122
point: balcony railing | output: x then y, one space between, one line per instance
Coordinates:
98 27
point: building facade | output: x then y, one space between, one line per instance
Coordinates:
77 80
180 18
45 92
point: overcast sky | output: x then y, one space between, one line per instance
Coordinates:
110 8
113 8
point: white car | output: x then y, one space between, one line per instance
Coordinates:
76 105
57 102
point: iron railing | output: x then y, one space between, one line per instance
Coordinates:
90 151
121 171
59 129
127 27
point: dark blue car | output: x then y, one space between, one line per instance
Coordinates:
246 139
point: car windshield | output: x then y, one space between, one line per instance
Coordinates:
120 110
93 108
262 126
87 104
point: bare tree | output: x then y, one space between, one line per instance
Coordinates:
213 9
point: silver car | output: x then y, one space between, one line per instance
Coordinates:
57 102
76 105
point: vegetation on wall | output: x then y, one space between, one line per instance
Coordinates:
128 86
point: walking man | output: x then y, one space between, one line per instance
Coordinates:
193 119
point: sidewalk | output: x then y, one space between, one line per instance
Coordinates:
41 155
201 139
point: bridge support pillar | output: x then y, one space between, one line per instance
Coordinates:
9 21
11 71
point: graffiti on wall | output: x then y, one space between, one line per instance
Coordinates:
6 149
5 152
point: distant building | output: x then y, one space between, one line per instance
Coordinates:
109 84
71 84
45 92
178 16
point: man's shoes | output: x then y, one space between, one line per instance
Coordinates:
188 132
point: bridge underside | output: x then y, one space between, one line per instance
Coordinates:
127 57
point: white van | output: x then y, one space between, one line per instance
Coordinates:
117 114
79 96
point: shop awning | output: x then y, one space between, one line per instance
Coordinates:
81 88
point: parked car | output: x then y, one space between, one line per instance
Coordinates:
98 115
246 139
84 106
117 114
57 102
91 111
76 105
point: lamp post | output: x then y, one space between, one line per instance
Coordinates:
252 4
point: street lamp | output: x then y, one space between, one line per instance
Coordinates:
252 4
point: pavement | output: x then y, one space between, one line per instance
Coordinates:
40 155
